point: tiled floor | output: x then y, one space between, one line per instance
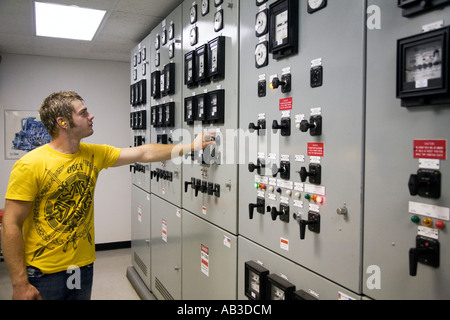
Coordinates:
110 281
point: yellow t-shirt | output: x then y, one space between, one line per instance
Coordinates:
59 231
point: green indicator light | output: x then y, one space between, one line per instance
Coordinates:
415 219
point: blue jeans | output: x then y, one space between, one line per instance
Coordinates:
64 285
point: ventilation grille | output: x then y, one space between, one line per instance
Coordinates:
140 264
166 295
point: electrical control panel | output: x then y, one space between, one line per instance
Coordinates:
298 98
265 275
140 110
166 80
328 173
406 210
211 104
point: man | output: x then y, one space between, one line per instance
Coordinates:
48 224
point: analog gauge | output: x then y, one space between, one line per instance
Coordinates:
261 54
218 20
315 5
164 37
171 50
423 68
205 7
261 25
157 42
171 31
218 2
157 59
193 36
423 63
193 14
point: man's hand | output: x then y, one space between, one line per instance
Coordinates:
202 141
26 292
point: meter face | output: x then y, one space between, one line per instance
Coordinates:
277 294
423 63
281 32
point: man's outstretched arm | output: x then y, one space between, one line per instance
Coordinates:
161 152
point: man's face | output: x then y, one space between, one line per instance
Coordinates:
82 119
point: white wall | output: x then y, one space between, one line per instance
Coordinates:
25 81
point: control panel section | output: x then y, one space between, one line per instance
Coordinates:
297 157
167 104
140 110
211 61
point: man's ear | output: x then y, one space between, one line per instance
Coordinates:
62 123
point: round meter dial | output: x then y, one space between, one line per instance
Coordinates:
261 25
193 14
205 7
315 5
261 55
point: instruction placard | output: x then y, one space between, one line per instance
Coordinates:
430 149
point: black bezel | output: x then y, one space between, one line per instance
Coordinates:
266 12
199 52
169 109
190 120
201 117
437 91
190 82
323 5
219 116
252 266
217 73
290 44
281 283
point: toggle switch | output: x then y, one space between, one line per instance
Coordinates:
283 213
261 125
284 170
314 174
284 126
259 206
260 165
313 224
425 252
314 126
426 184
284 83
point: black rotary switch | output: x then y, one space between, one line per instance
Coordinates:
314 125
313 224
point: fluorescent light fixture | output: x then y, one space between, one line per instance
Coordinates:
68 22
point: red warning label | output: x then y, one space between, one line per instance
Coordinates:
430 149
316 149
286 104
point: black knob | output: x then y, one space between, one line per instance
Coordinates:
275 213
276 126
251 209
252 167
253 127
186 184
313 222
276 82
413 185
305 126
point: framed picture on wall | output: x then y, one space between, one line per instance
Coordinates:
24 132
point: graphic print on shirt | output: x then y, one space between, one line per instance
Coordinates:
67 210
